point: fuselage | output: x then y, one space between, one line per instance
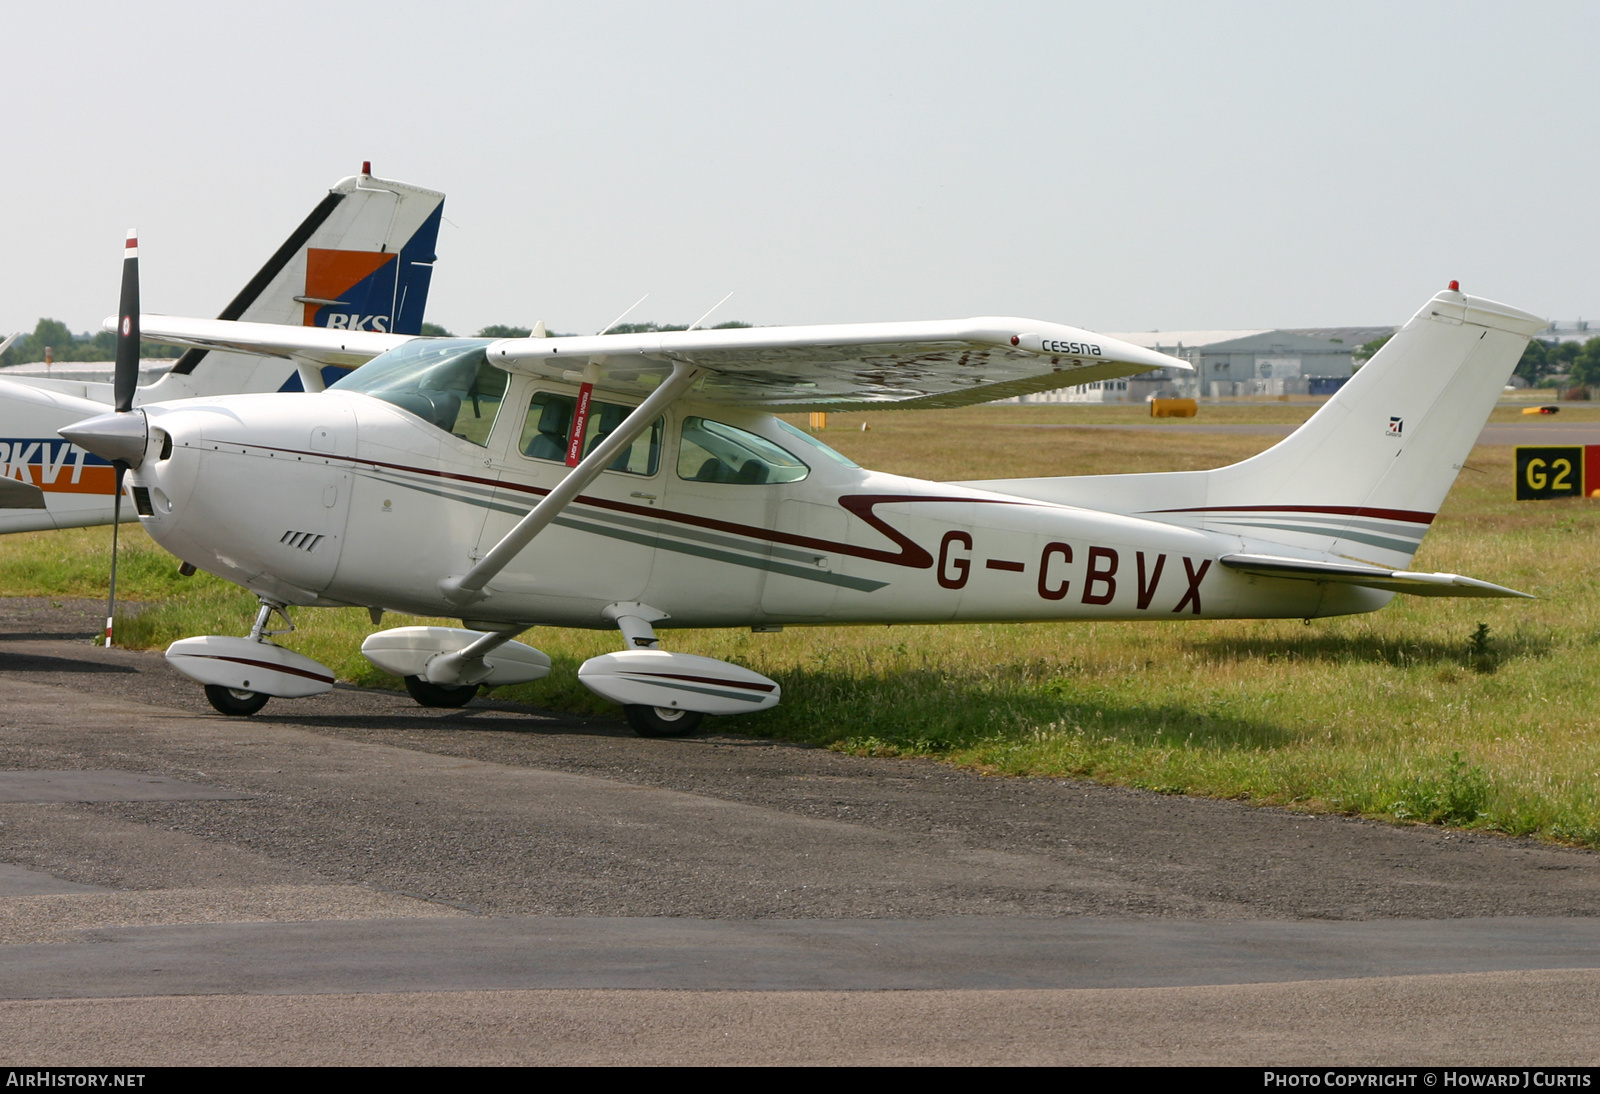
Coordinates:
718 516
78 486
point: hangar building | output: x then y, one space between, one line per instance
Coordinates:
1234 362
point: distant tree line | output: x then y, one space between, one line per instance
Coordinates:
102 345
66 346
1579 361
1541 363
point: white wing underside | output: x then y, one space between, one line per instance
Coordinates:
944 363
346 348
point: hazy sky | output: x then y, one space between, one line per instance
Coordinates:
1119 167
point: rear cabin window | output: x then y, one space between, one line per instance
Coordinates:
716 452
547 431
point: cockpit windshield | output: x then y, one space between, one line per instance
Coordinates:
447 382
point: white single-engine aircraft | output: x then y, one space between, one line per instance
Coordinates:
361 261
625 481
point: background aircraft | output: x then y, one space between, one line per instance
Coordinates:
622 481
360 262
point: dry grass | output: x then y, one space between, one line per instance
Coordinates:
985 442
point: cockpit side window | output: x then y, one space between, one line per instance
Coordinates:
716 452
447 382
547 431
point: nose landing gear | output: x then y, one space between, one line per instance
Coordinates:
241 674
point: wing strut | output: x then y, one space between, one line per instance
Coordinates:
467 587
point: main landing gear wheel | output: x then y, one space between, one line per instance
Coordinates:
662 721
235 702
440 695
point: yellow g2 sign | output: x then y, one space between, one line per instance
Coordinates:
1549 472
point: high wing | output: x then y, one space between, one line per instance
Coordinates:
940 363
320 345
1373 577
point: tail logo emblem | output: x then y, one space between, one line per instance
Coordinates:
1395 426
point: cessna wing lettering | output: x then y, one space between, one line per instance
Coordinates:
357 268
622 482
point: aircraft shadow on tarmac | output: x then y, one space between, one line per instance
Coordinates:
36 662
1027 701
479 717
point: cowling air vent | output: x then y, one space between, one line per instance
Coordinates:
302 541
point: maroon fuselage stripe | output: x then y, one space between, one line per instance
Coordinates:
1411 516
911 554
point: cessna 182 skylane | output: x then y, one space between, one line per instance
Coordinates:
629 480
361 261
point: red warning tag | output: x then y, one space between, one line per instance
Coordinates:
580 426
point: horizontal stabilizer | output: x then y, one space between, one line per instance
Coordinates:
15 494
1372 577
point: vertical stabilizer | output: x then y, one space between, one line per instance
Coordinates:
362 260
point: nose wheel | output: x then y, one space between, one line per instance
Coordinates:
239 675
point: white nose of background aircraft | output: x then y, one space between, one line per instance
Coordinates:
621 481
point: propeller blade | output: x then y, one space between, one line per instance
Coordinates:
116 521
126 378
125 382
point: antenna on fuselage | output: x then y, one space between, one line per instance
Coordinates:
624 315
695 325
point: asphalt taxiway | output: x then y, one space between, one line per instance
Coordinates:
355 879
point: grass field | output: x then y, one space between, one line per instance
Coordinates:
1472 713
